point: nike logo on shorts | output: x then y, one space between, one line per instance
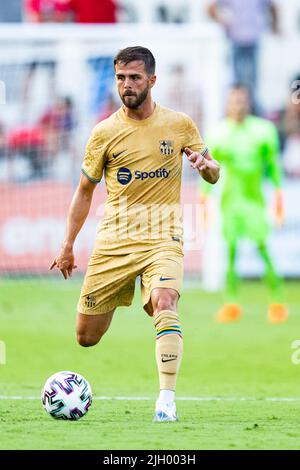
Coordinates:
115 155
167 278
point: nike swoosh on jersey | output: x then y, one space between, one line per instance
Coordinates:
115 155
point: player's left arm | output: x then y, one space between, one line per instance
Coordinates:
208 168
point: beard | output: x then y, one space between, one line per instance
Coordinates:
133 100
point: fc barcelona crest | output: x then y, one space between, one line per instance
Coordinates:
90 301
166 147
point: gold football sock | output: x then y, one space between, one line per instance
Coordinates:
169 347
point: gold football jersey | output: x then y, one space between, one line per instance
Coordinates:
142 165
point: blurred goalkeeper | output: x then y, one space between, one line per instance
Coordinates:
247 148
139 149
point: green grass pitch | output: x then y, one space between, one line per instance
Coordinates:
247 389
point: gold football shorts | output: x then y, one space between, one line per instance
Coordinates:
110 279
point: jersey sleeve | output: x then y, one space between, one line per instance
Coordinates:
94 159
192 137
270 151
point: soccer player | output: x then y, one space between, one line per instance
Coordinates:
139 148
247 147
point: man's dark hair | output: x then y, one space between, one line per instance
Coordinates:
129 54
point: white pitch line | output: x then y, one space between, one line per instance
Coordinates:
229 399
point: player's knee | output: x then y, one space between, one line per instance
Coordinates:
86 340
166 302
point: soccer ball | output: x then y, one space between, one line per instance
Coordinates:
67 395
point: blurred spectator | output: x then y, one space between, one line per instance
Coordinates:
290 130
41 11
94 11
244 22
57 124
127 13
29 142
11 11
170 14
2 140
39 144
110 107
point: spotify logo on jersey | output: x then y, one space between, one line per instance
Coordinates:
124 176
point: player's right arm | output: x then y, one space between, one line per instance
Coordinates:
92 170
77 215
